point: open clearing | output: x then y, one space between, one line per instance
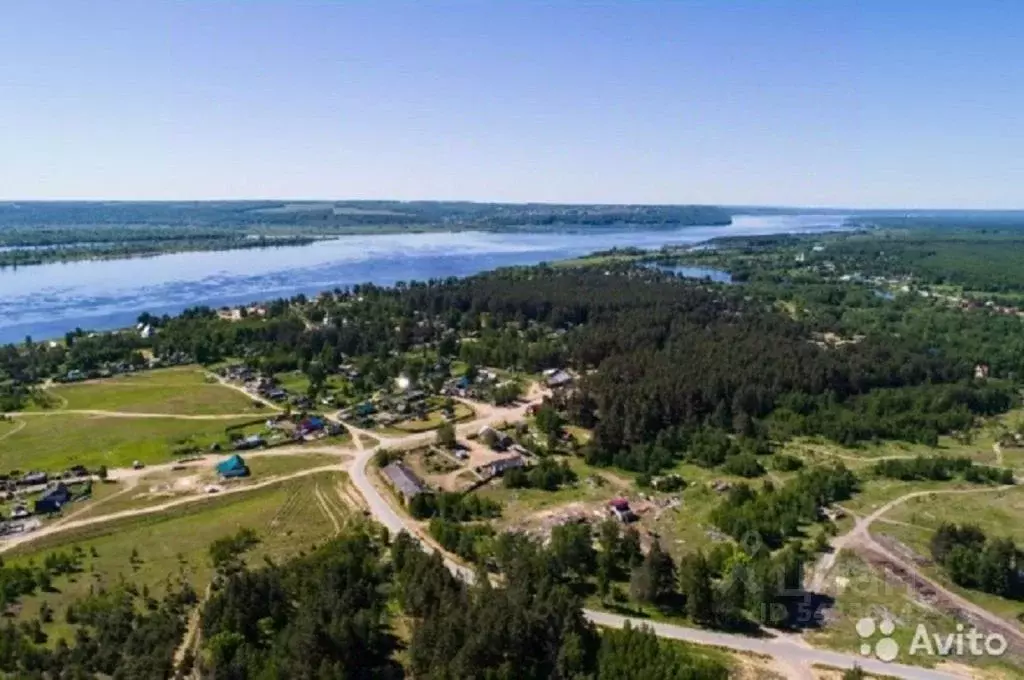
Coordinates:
863 590
178 391
160 486
908 530
286 463
535 508
285 516
8 427
815 450
57 441
877 492
297 382
860 591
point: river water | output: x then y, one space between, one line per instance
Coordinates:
45 301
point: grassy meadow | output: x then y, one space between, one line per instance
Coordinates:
57 441
179 391
175 543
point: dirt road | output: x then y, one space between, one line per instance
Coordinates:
791 656
14 541
859 539
238 388
794 657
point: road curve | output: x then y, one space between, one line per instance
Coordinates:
785 652
859 532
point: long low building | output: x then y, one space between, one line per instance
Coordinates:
404 480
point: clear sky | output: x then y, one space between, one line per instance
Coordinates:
890 103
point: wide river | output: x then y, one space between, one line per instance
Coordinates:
45 301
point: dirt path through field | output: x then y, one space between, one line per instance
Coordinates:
326 509
15 541
19 426
238 388
859 539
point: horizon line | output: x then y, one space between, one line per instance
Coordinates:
728 206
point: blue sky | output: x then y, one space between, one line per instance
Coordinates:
828 102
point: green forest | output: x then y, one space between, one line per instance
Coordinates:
359 606
668 362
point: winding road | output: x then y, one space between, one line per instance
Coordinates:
792 656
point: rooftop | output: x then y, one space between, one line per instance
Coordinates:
404 479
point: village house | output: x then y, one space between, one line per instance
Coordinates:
309 426
519 449
497 467
53 499
33 478
404 480
233 467
558 379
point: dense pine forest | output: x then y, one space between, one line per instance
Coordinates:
663 359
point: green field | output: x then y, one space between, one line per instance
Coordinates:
177 391
285 516
57 441
519 504
864 593
7 428
814 450
168 485
266 466
594 261
998 513
297 382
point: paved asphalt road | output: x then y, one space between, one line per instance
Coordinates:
787 652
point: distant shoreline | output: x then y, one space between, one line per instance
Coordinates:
175 240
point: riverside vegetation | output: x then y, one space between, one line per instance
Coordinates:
671 373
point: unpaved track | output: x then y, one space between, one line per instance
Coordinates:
859 538
859 534
13 542
791 655
18 427
326 509
191 638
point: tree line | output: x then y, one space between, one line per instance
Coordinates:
974 560
330 614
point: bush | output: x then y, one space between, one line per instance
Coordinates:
743 465
547 475
454 507
786 463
